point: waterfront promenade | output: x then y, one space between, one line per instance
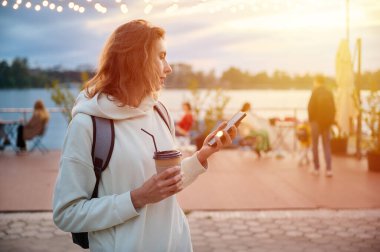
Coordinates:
241 204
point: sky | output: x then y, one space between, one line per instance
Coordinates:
296 36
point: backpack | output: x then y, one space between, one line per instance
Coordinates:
101 152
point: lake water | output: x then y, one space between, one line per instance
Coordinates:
266 103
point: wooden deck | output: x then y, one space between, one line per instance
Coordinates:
236 180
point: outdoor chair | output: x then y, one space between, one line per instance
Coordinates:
37 142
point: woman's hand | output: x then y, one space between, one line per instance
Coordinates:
206 151
158 187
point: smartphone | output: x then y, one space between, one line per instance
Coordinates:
233 121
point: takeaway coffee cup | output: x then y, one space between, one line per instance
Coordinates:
166 159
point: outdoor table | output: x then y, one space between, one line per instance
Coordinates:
282 131
10 131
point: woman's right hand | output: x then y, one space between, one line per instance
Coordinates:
158 187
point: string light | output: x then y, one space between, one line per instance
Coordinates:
124 8
148 9
100 8
169 6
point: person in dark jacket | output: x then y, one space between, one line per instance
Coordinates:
321 110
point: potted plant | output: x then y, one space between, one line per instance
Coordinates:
338 141
372 119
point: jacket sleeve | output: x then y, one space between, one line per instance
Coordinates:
73 210
191 168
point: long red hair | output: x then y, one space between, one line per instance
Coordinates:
127 72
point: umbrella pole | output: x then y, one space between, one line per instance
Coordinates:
358 85
348 21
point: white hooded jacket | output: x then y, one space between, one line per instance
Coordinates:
111 220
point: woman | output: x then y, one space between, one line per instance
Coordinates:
136 209
34 127
184 125
251 132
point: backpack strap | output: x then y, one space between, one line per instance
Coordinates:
102 146
164 114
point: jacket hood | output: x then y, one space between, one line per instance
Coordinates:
101 106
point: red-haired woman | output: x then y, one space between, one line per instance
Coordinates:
136 209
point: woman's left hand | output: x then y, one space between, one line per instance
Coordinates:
206 150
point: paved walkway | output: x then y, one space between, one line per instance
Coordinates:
302 212
259 231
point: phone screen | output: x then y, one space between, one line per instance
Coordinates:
233 121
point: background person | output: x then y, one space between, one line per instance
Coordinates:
252 133
136 209
34 127
183 126
321 112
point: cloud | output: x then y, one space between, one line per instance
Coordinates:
296 36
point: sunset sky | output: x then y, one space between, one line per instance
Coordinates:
297 36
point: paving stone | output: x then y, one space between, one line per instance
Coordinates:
294 233
365 236
47 229
44 235
239 227
225 231
288 227
313 236
211 234
2 234
238 247
308 229
253 223
242 233
13 236
257 229
29 233
275 231
229 237
17 224
262 235
14 230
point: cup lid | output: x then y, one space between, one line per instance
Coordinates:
169 154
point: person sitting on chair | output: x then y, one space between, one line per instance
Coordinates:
183 127
34 127
252 133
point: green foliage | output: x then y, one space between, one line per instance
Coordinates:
19 75
216 102
215 110
372 119
62 97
